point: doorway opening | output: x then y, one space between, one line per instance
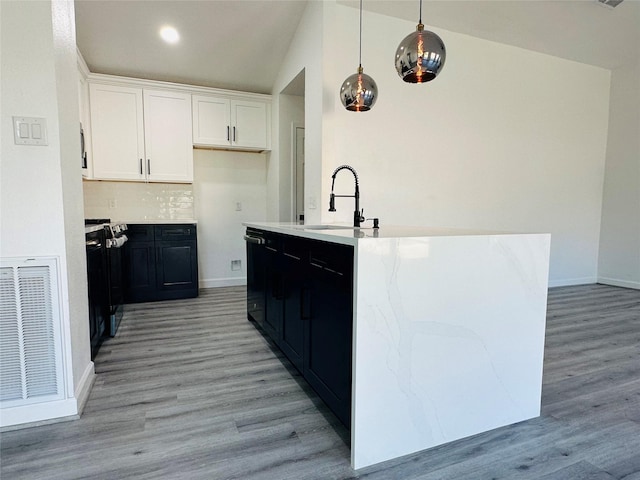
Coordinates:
298 172
292 150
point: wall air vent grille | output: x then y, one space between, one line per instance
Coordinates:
610 3
30 342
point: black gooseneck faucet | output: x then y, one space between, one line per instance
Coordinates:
357 214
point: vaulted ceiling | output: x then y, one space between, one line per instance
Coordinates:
240 44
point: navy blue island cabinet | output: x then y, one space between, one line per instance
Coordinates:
300 293
160 262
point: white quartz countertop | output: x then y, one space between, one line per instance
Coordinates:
93 228
349 235
157 221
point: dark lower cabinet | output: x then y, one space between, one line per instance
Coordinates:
328 330
140 271
295 296
308 312
161 262
273 285
176 269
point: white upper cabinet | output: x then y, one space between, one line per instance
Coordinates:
231 123
117 128
211 120
249 124
167 136
140 134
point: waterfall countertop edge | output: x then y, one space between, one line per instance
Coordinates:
348 235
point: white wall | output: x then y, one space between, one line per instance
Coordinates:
221 180
41 191
619 260
305 53
129 202
504 139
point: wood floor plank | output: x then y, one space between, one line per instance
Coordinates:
189 389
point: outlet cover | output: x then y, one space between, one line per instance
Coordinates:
236 265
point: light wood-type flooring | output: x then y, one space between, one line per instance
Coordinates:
189 389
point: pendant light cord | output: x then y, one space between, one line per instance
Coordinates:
360 48
420 21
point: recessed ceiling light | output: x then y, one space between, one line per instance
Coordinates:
169 34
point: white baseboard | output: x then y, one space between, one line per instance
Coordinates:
619 283
83 389
44 413
38 414
568 282
223 282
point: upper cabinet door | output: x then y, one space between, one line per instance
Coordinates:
229 123
249 124
211 120
117 132
167 127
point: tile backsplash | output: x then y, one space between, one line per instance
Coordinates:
135 201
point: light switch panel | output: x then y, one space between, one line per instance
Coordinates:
30 131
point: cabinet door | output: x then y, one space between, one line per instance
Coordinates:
211 121
177 269
274 288
296 301
249 124
328 332
117 132
140 268
167 129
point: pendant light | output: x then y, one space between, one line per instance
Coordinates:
420 56
359 91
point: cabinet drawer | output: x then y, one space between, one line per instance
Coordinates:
272 243
294 248
168 233
139 233
332 258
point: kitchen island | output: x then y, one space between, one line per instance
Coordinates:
446 330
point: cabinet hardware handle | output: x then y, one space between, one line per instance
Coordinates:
148 167
176 231
234 134
255 240
140 166
228 133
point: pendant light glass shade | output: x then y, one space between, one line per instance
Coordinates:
421 55
359 91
